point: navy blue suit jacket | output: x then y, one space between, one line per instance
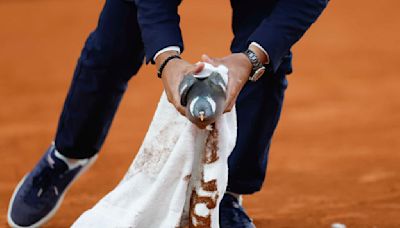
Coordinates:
275 24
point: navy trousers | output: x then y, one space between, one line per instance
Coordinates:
112 54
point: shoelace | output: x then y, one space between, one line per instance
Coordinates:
43 185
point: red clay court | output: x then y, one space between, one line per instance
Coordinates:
335 155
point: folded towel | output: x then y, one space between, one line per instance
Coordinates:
178 177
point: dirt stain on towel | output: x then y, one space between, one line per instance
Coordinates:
206 202
211 153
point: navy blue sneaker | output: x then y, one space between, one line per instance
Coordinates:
232 214
40 193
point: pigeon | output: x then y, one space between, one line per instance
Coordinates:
203 98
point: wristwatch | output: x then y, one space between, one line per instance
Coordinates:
258 68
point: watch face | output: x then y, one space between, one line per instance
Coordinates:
258 74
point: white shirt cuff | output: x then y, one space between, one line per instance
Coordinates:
260 47
169 48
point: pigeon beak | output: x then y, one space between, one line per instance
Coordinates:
201 116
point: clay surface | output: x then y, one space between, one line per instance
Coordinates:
335 155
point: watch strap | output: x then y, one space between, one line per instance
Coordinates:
256 63
253 60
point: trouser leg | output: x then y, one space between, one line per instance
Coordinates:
111 55
258 108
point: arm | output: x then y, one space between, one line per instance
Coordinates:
270 41
161 34
173 74
159 25
287 23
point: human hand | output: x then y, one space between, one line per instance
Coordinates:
239 68
172 76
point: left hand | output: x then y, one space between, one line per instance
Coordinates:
172 76
239 69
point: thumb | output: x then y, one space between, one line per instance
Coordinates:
207 59
198 68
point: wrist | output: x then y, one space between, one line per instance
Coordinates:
261 54
163 56
246 62
164 59
258 68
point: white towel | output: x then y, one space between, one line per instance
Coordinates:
178 177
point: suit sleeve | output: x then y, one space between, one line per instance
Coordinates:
287 23
159 25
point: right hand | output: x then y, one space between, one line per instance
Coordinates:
172 76
239 70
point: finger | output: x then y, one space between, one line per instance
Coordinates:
230 105
228 109
169 97
231 99
181 110
179 107
198 68
207 59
